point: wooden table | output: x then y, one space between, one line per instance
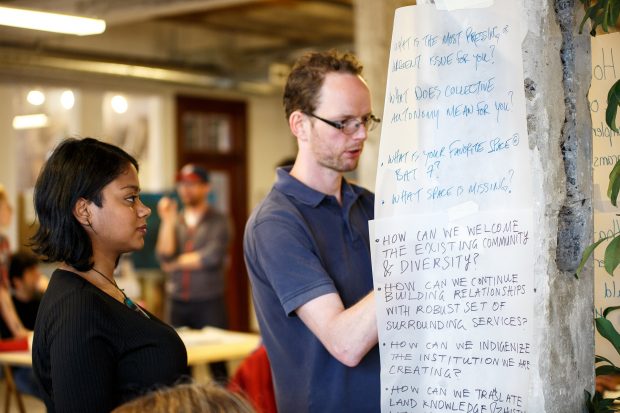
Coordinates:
213 344
203 346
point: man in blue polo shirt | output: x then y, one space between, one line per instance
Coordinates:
307 248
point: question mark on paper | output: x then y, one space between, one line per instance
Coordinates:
433 168
511 173
492 49
510 93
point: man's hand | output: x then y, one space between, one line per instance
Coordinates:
167 209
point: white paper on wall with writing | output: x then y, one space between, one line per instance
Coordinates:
605 154
454 126
451 242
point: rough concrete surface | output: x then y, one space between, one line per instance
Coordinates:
557 71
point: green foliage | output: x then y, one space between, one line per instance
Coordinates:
602 13
614 185
598 404
613 101
586 255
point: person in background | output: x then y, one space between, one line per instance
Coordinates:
94 348
28 284
7 309
307 248
192 246
188 398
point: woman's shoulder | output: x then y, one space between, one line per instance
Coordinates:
67 290
66 283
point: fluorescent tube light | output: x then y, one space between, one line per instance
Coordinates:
50 22
30 121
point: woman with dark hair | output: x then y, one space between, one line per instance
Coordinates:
94 348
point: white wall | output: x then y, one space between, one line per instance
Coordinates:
7 156
270 141
268 137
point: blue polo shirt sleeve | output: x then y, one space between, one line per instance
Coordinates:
288 258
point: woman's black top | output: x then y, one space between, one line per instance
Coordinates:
92 353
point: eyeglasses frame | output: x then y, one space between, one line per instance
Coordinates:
340 125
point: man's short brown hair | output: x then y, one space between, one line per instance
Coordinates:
306 78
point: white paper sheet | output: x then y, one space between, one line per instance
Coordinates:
454 125
455 306
451 243
606 152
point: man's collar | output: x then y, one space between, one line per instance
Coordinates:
293 187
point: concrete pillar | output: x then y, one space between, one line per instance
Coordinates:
556 63
557 77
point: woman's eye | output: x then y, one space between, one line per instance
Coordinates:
132 198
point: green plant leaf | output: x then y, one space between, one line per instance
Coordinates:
614 184
607 370
609 310
612 255
613 101
602 13
589 15
586 254
607 330
599 359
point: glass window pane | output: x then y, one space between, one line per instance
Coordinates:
209 132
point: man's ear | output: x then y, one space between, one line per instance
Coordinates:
17 282
299 124
81 211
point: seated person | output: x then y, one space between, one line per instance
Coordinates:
27 286
253 380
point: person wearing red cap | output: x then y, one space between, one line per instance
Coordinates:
192 246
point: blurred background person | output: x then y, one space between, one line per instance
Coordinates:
27 287
7 309
192 246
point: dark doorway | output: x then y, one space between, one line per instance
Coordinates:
212 133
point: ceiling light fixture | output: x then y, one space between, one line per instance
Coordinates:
36 97
30 121
67 99
50 22
119 104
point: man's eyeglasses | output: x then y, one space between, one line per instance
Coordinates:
350 126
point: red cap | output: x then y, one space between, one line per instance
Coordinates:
192 173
